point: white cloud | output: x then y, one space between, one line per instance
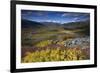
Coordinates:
76 18
65 14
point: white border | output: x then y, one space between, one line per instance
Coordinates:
20 65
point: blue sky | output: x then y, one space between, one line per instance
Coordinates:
53 16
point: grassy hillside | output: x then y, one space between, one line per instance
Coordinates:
49 41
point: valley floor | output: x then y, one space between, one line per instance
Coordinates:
63 45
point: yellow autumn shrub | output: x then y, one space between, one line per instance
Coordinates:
57 54
43 43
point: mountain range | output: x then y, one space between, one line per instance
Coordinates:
53 25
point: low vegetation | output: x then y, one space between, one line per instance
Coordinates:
54 55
